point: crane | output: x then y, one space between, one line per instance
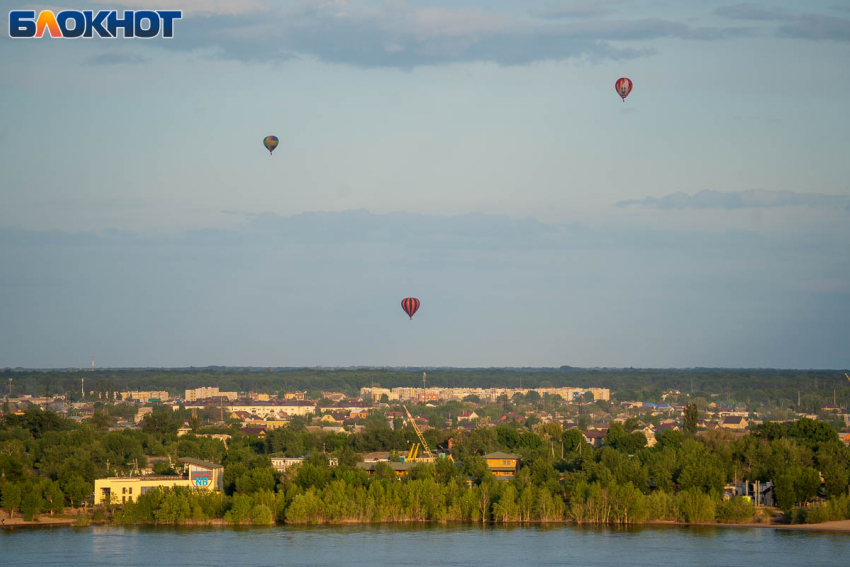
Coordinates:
848 377
419 434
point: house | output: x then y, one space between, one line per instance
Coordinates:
258 431
400 469
504 466
360 413
377 457
511 416
649 434
283 464
594 438
267 424
335 397
846 439
198 474
330 419
325 429
467 415
734 422
297 396
241 415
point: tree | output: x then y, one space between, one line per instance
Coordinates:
78 490
32 503
100 420
160 422
691 418
54 497
11 497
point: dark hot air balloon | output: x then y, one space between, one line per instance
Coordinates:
270 142
410 305
624 87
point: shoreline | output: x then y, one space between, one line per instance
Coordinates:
840 526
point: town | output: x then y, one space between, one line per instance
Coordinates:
188 440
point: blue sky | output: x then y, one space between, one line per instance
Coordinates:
472 154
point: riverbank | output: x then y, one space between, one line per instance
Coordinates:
75 521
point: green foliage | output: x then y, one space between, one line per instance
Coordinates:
691 418
794 485
610 503
736 510
662 506
11 497
695 507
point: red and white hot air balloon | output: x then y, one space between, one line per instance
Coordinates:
624 87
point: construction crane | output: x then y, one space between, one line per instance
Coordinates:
414 450
419 434
848 377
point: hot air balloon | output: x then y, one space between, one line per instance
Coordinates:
624 87
270 142
410 305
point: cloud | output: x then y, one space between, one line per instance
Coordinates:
395 34
750 199
192 7
750 12
817 27
805 26
116 58
577 9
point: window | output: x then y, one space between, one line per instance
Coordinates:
145 489
123 490
130 490
507 463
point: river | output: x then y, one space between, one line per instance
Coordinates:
422 546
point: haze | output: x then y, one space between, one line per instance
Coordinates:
472 154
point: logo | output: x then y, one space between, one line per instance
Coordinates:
145 24
202 480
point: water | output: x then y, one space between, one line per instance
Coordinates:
422 546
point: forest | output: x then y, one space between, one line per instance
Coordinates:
766 387
48 464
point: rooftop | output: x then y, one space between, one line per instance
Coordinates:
199 463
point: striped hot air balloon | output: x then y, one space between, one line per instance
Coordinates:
410 305
624 87
270 142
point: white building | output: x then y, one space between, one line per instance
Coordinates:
208 393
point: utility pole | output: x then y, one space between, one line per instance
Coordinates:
83 387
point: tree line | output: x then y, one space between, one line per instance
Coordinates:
48 463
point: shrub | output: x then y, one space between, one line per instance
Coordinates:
736 510
836 508
261 515
661 505
695 507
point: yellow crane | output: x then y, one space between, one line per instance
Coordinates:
414 450
419 434
848 377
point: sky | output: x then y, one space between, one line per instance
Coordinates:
472 154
